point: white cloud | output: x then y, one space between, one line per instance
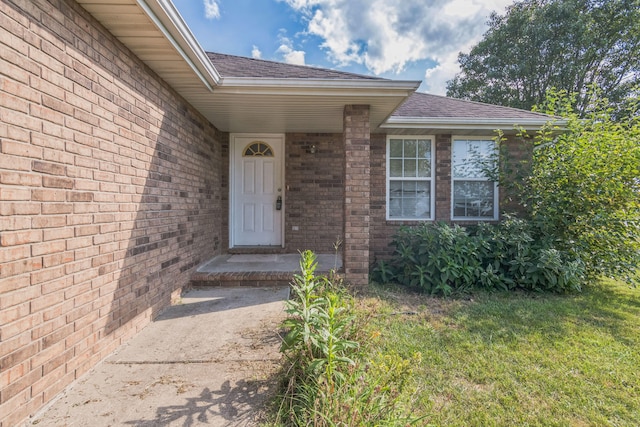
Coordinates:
256 53
289 54
211 9
436 78
387 35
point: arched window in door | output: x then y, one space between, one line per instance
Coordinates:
258 149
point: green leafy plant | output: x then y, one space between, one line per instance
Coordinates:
437 259
330 380
441 259
583 189
516 256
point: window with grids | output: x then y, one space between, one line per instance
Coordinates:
258 149
474 196
410 178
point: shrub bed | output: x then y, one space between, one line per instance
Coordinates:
441 259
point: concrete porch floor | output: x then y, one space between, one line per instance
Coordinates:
258 269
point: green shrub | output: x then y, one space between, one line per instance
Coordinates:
520 257
442 259
582 185
436 259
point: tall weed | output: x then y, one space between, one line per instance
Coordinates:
330 379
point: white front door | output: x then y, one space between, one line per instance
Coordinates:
256 190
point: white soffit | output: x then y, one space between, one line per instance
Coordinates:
301 105
157 34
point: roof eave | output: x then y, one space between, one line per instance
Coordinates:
301 104
397 122
320 86
169 21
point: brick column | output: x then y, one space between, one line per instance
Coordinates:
443 178
357 194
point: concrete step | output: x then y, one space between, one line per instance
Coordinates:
253 270
259 250
247 278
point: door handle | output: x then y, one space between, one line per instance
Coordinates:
279 203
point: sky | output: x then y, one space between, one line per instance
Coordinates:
396 39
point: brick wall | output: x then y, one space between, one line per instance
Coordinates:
315 192
357 185
382 231
112 190
443 178
519 153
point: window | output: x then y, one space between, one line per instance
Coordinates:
258 149
410 178
473 195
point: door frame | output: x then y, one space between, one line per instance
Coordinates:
280 154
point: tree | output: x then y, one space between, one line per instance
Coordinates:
582 186
564 44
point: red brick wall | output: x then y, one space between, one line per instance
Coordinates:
357 183
314 192
519 153
112 190
382 231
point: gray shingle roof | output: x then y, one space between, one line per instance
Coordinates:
434 106
238 66
417 105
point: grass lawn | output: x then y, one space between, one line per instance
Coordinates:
516 359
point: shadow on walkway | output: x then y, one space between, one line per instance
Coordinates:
230 405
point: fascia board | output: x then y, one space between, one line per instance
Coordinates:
466 123
168 20
318 87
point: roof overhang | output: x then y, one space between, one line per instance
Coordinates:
300 105
157 34
480 126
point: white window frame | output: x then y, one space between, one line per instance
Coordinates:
431 179
496 197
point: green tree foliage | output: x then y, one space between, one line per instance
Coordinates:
542 44
583 187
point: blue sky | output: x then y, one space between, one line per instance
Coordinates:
398 39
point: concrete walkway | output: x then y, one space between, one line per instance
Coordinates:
210 360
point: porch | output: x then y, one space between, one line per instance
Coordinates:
274 269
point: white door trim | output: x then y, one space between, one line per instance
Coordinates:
233 179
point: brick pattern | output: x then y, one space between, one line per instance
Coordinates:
314 195
112 190
519 153
247 279
357 185
382 231
443 178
